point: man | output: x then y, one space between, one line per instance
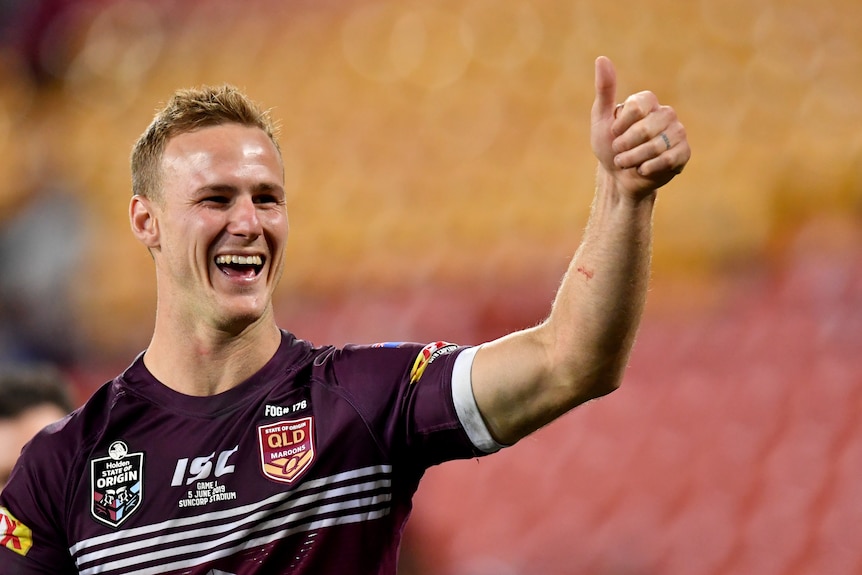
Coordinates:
231 447
31 397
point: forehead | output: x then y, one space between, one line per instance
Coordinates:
225 150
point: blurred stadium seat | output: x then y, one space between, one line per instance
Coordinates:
439 175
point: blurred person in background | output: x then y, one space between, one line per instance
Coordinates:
40 247
232 446
31 397
42 241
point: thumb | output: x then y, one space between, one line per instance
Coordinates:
606 89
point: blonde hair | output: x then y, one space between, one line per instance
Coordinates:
188 110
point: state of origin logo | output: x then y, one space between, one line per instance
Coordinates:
116 482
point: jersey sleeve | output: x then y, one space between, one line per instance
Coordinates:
417 398
32 512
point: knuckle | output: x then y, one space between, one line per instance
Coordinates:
643 102
641 132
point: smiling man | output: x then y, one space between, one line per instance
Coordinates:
211 210
231 446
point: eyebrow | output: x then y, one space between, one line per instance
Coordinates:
230 188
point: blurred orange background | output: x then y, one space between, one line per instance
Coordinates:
439 175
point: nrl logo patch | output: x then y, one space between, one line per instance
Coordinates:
117 483
286 448
428 354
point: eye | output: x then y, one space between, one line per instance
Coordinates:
268 194
216 199
265 199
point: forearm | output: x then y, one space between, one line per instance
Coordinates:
527 379
598 307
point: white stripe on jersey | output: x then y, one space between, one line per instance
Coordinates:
239 528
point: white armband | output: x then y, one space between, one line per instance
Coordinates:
465 403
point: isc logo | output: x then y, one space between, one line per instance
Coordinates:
201 468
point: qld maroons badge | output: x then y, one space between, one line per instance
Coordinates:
286 448
117 484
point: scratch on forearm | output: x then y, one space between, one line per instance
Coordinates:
587 273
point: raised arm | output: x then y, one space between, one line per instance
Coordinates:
526 379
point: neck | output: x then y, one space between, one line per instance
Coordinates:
204 361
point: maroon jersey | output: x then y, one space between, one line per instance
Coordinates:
307 467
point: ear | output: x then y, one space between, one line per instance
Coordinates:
145 225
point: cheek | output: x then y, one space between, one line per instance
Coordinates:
12 444
278 226
188 240
198 231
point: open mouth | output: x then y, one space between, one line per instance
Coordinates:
240 266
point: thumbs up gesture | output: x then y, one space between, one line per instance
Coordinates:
639 143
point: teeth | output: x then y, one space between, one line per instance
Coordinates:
240 260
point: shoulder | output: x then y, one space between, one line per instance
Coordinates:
377 371
386 356
61 441
53 462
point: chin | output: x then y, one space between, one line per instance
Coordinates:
237 313
236 325
239 319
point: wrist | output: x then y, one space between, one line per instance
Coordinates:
617 187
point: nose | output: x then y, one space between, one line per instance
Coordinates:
244 220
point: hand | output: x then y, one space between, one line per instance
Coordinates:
639 143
